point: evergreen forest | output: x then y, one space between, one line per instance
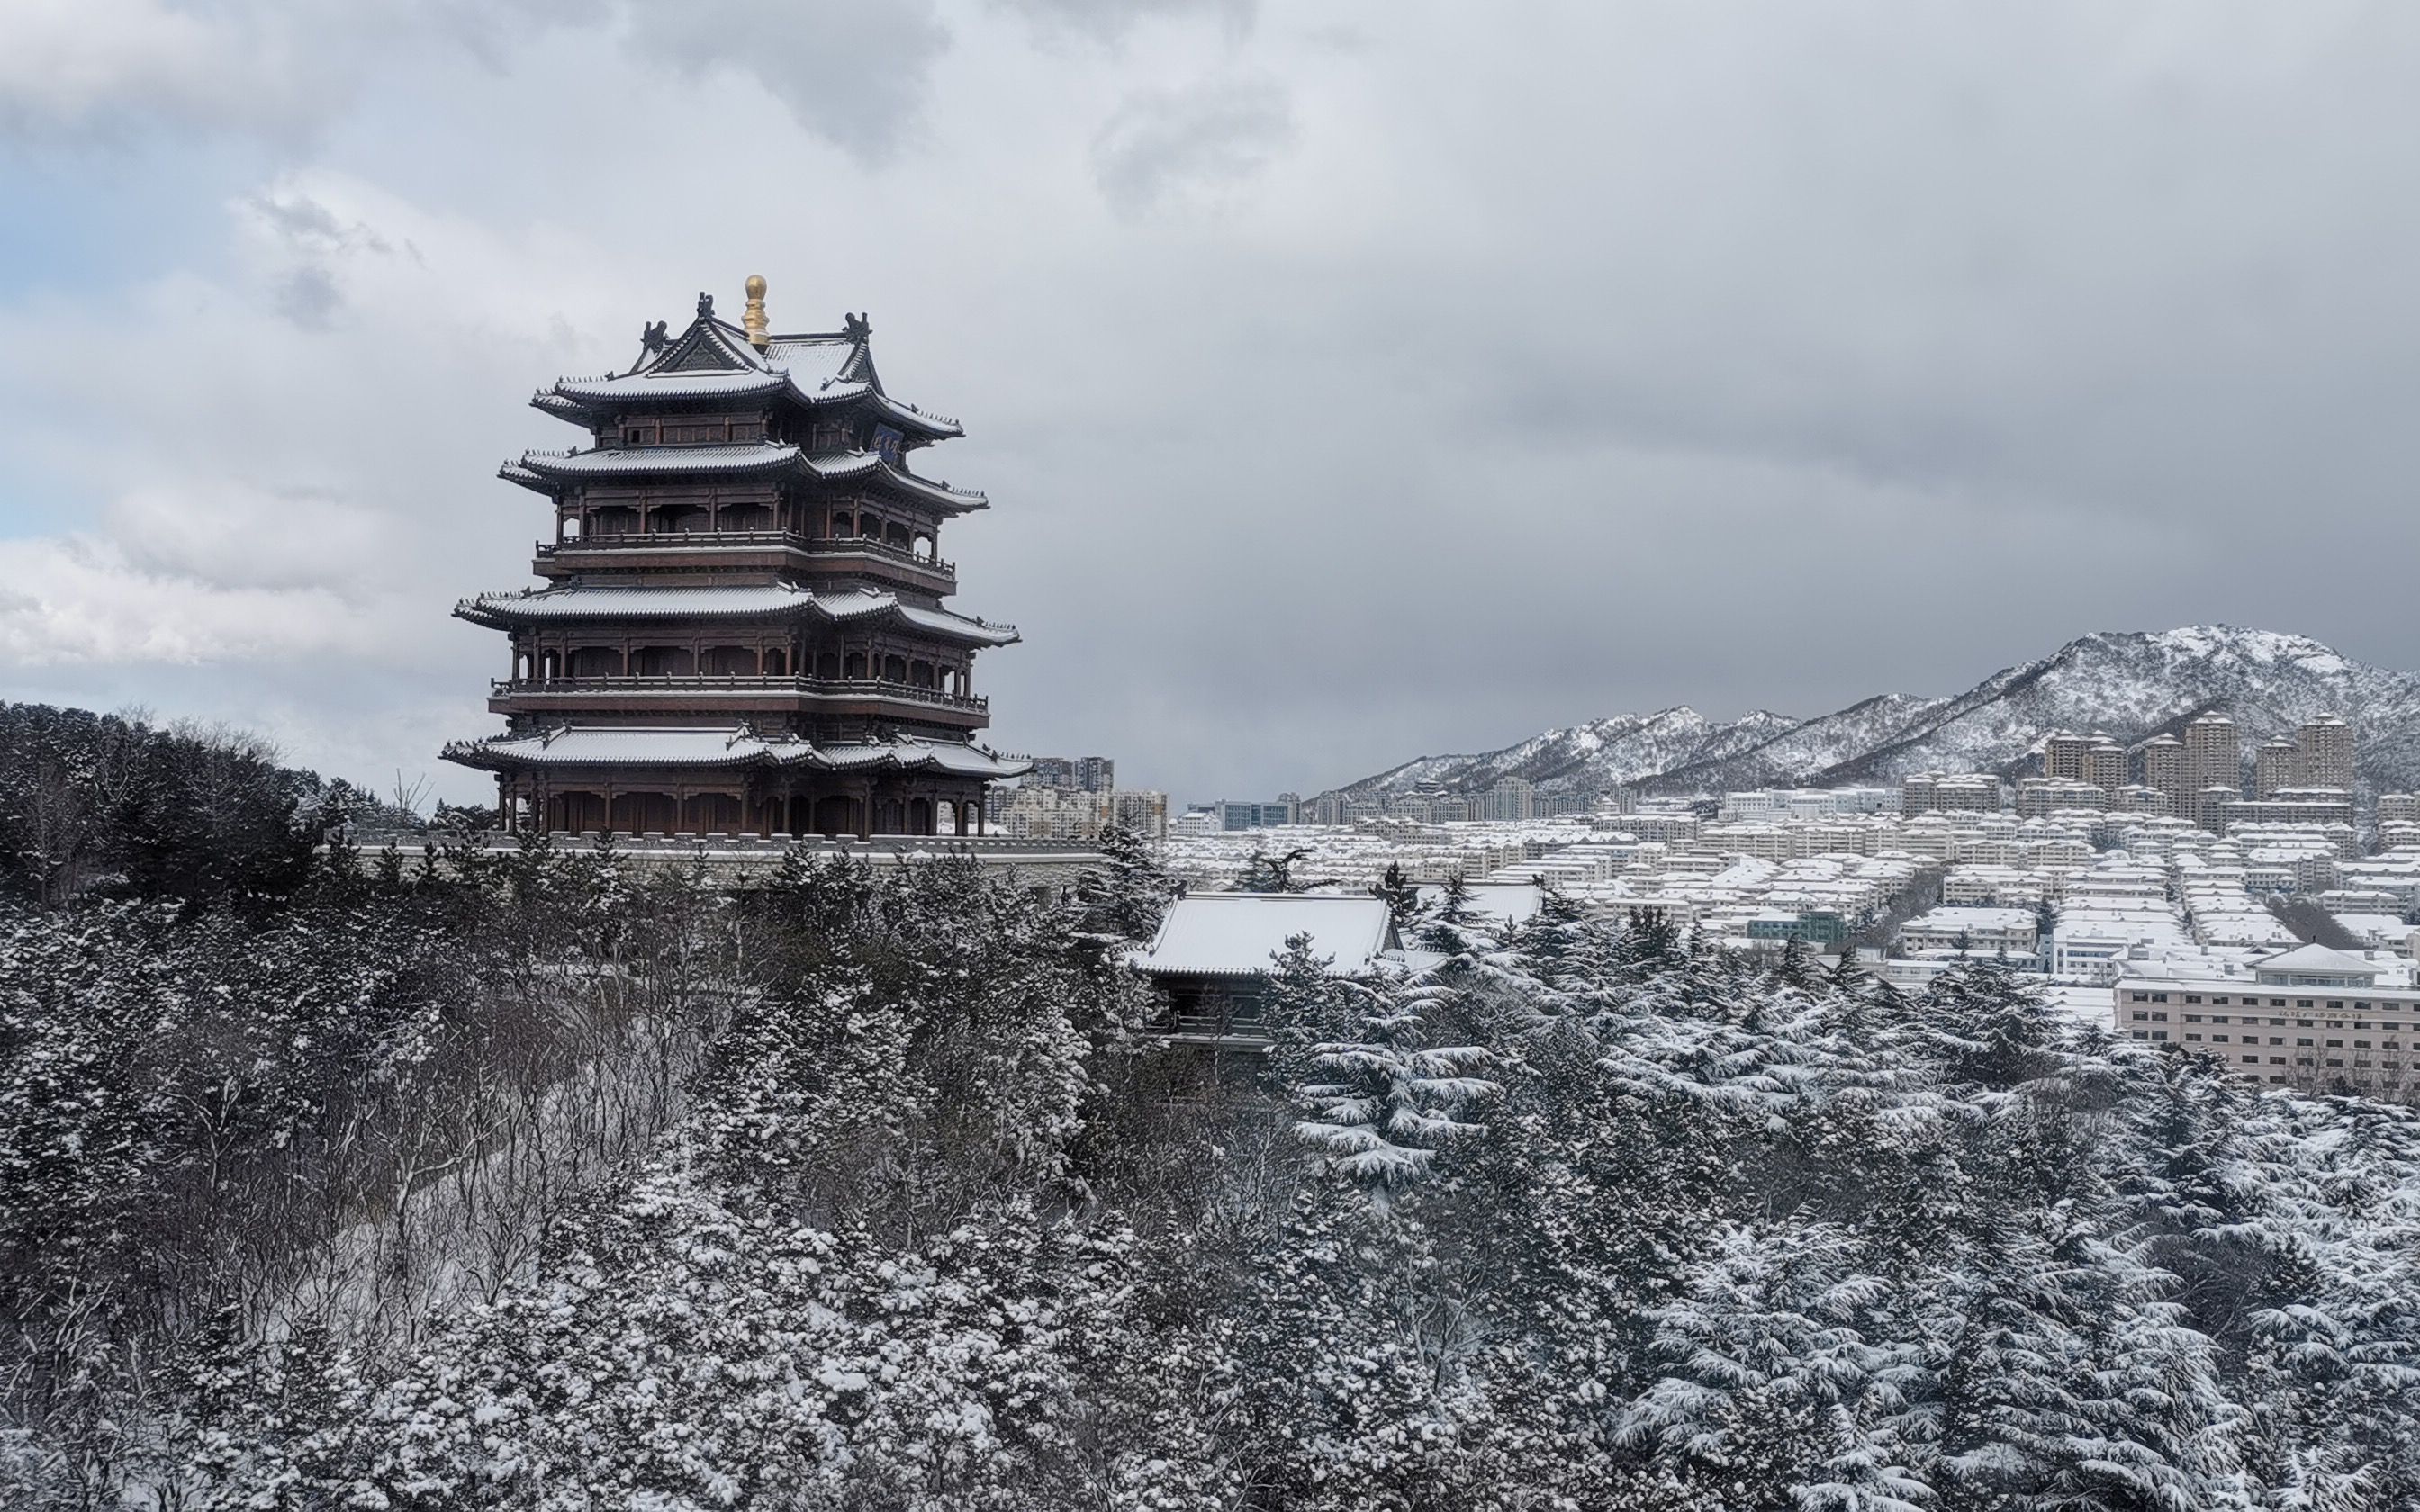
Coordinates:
451 1180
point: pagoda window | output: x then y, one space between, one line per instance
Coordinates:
921 673
596 661
677 519
894 668
746 517
854 668
844 525
728 661
567 528
615 519
747 430
897 535
638 435
776 663
827 666
923 548
664 661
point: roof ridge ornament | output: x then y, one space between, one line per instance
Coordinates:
652 341
705 305
755 319
855 326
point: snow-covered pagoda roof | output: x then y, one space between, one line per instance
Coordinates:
577 601
729 746
543 470
1238 934
715 360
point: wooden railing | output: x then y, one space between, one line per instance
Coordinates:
881 688
813 545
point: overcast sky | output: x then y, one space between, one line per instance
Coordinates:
1351 380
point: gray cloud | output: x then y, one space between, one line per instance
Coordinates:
307 295
1338 403
851 72
1167 146
1111 20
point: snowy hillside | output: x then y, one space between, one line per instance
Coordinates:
2132 684
1628 747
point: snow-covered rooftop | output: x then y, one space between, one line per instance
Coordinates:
714 359
2314 961
541 469
1237 933
725 745
577 601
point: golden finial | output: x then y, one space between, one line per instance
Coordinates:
755 319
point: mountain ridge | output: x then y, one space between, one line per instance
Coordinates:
2133 683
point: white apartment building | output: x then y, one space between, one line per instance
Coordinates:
2308 1017
1975 931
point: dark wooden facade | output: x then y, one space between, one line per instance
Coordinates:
741 627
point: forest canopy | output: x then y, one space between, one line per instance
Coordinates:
551 1182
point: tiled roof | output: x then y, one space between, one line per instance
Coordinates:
714 359
2320 960
1237 933
725 747
738 457
736 383
852 604
584 602
539 468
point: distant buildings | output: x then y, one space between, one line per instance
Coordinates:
1074 798
2105 764
2276 766
1244 814
1083 774
1949 793
2198 778
2164 770
2213 755
1031 812
1972 931
2310 1017
1142 811
2038 797
2325 745
2063 757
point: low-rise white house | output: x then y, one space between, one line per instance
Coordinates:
1975 931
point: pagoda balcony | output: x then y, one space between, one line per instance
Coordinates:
564 556
712 688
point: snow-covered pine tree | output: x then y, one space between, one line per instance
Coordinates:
1387 1101
1124 898
1402 898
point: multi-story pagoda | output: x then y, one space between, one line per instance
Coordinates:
741 629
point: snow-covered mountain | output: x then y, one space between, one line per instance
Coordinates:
1625 749
2132 684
